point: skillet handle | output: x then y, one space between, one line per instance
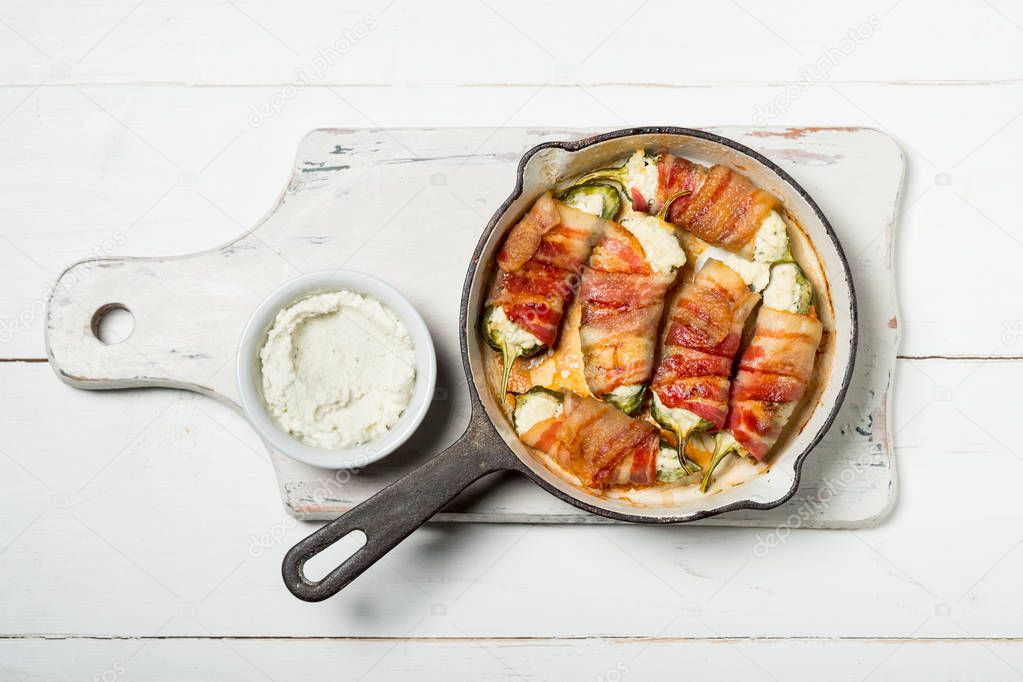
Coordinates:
392 514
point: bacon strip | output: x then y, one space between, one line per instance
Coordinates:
704 330
774 373
541 265
622 300
677 176
598 443
725 211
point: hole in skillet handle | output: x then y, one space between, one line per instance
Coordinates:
320 565
392 514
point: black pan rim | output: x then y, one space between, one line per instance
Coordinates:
577 145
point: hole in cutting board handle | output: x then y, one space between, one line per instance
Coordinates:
332 556
112 323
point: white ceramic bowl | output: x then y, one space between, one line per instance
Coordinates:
250 376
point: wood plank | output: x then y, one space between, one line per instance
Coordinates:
410 42
502 659
120 196
160 503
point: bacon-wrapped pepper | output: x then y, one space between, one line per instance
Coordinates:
598 443
540 268
690 386
622 296
597 199
774 371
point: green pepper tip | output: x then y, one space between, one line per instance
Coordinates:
721 450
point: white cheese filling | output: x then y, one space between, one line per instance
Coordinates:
659 241
624 393
587 202
770 246
338 369
772 241
789 289
669 469
641 174
754 274
534 409
515 337
781 293
727 441
681 418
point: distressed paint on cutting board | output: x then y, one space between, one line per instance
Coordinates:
408 205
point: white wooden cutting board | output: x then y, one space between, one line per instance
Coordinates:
408 205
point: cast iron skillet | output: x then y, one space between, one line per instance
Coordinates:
489 444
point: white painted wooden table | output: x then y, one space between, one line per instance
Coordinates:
162 128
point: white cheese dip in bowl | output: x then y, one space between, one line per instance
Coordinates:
336 369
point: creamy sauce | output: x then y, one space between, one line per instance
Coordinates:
338 369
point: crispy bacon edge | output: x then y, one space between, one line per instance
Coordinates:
601 445
540 266
774 373
622 301
727 210
704 330
719 205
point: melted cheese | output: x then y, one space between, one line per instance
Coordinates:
641 174
659 241
772 240
515 337
623 393
534 409
754 274
588 203
770 246
789 289
680 417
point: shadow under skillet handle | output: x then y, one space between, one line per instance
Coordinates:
392 514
